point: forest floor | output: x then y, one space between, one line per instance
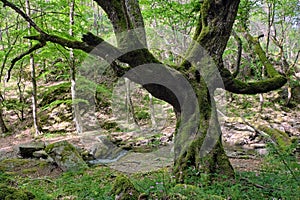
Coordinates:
238 122
150 170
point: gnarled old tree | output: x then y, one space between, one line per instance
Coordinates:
198 136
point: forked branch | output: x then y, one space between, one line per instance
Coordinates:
16 59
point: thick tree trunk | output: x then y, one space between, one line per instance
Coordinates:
205 153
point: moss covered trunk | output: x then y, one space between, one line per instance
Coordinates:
202 151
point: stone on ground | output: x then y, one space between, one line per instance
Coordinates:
26 150
65 156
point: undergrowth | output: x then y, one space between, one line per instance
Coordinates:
277 179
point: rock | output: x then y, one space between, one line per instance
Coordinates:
262 152
86 155
40 154
65 156
238 137
104 151
123 189
26 150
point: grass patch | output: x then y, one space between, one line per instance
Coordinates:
98 182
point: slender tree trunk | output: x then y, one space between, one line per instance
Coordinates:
76 116
152 112
129 104
3 127
36 125
21 89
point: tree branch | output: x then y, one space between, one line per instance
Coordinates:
24 15
275 80
240 87
16 59
271 71
238 62
6 56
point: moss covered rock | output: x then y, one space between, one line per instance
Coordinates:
66 156
10 193
123 189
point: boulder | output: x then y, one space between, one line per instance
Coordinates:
66 156
26 150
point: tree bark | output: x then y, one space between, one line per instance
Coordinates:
3 127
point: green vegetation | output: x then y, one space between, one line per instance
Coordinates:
103 183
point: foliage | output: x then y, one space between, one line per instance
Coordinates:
274 181
282 160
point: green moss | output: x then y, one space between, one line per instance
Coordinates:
29 171
13 163
10 193
55 92
124 188
281 138
67 147
49 148
204 12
